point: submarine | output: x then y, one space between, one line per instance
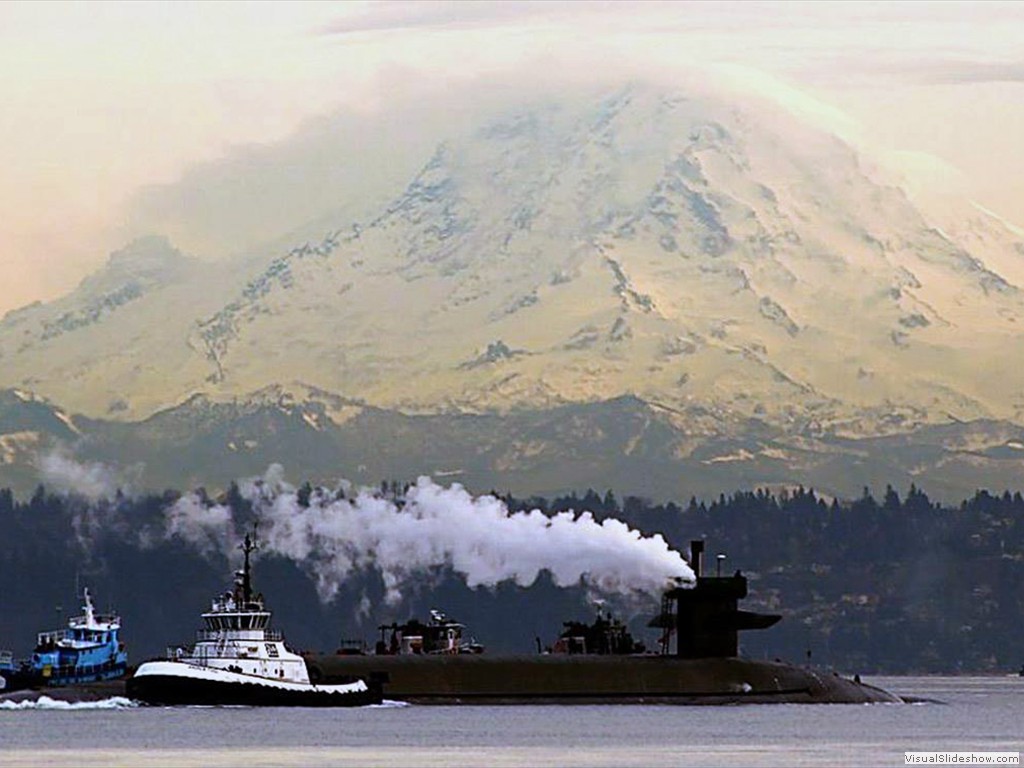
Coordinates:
697 661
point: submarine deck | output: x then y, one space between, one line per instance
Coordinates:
579 679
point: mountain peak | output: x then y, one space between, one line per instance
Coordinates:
146 259
695 251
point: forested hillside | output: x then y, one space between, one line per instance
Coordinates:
893 585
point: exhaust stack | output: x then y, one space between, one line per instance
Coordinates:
697 556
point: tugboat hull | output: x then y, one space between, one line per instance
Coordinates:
175 683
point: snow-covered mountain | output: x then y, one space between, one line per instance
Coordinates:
721 261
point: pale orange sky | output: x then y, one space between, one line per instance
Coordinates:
102 99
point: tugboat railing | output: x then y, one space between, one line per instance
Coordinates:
213 635
100 618
51 637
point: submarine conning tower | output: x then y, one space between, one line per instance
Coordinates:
706 617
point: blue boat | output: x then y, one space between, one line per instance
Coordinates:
89 649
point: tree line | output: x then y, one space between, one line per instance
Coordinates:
889 584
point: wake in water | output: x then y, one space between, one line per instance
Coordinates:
45 702
389 704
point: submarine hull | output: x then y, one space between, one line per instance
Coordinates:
591 679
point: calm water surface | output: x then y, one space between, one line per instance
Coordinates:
979 714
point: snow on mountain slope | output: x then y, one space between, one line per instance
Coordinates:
117 343
693 252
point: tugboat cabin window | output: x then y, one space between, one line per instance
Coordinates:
237 621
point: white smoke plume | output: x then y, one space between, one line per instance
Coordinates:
100 486
333 536
93 481
208 528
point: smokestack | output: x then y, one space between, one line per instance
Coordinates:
696 555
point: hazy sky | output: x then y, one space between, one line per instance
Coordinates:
101 100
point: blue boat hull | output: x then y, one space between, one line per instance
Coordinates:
28 677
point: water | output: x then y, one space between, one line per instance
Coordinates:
979 714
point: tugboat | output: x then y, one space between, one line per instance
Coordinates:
606 636
440 635
88 650
238 660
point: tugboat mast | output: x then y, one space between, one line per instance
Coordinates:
247 546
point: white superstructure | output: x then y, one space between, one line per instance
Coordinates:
238 660
236 636
84 632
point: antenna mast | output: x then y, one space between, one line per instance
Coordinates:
248 546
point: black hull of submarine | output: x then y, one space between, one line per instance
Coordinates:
590 679
705 667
